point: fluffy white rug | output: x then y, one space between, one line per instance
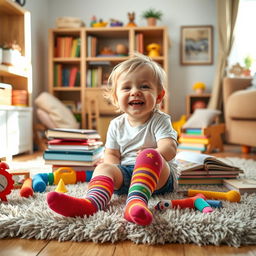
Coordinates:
234 224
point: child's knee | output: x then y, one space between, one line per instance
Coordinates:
150 156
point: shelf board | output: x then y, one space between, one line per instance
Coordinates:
12 71
8 7
67 59
110 58
66 88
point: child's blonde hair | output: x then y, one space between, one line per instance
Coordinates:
137 61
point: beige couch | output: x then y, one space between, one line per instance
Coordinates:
240 111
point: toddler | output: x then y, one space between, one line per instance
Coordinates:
139 149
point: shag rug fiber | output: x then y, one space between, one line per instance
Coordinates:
233 225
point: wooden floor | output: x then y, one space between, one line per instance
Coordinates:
17 247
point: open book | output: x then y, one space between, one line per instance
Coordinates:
191 163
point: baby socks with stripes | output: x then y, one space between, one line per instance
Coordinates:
100 190
143 183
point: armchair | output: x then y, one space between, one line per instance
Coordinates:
240 112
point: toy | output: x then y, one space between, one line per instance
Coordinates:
39 182
6 181
198 104
177 125
115 23
197 202
18 183
69 176
100 24
131 17
199 87
26 189
232 195
153 50
121 50
61 188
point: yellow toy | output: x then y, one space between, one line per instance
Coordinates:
231 196
199 87
61 188
153 50
177 125
67 174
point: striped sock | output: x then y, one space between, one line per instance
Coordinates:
144 180
100 190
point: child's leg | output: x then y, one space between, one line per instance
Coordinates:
100 190
144 181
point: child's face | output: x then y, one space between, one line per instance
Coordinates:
137 94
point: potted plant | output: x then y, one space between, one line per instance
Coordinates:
152 16
248 60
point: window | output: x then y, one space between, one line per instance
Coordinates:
245 35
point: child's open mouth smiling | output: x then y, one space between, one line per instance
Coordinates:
136 103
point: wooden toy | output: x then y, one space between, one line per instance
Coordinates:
131 17
25 175
26 189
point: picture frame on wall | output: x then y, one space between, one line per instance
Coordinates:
196 45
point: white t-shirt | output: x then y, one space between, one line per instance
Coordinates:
128 140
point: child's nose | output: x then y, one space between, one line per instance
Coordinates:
135 91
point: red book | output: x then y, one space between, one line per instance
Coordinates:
72 76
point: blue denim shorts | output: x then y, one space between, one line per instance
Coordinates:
127 176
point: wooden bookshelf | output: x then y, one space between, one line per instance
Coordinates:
90 60
16 121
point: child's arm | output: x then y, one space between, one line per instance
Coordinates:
112 156
167 147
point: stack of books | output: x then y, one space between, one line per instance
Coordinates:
198 168
80 149
193 139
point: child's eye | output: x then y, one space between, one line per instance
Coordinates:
144 86
125 88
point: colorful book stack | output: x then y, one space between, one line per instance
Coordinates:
197 168
79 149
193 139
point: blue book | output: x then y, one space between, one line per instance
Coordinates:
86 155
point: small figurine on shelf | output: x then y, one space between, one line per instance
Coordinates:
93 20
115 23
121 50
106 51
96 24
131 17
153 50
199 87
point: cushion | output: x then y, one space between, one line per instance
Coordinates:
60 115
241 105
202 118
45 119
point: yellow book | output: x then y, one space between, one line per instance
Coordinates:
190 140
74 46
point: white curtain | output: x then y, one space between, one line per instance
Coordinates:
227 13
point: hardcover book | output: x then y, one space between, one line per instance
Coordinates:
189 161
241 185
72 133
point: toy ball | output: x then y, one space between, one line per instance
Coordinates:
121 49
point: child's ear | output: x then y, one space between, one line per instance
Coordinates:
160 97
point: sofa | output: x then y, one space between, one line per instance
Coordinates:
240 112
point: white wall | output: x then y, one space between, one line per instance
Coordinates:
176 14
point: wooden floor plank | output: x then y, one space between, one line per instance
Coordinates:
78 249
130 249
223 250
21 247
